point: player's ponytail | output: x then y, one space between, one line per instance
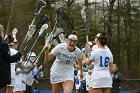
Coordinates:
103 40
74 32
10 40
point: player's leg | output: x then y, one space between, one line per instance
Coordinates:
68 86
106 90
9 89
56 88
96 90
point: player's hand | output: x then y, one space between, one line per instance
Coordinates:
81 76
47 46
40 67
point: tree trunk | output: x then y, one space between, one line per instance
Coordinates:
109 32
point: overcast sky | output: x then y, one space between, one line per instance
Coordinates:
95 0
90 1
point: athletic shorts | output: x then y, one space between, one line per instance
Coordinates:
20 87
105 82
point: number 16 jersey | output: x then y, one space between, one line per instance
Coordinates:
101 58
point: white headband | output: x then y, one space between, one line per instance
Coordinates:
73 37
89 43
99 34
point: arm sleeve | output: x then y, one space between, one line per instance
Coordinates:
92 56
8 57
55 50
79 54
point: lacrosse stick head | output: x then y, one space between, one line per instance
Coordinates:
31 32
48 38
58 31
60 14
43 20
1 31
54 42
83 13
1 28
40 4
14 32
43 28
62 38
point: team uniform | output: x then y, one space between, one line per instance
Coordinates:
13 65
96 47
101 74
62 68
89 76
29 80
20 81
86 76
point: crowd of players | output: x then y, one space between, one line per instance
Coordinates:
91 66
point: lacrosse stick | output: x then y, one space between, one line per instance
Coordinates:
42 30
50 37
39 6
60 33
60 15
14 32
84 17
32 30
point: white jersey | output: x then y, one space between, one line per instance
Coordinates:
29 78
101 59
62 68
13 65
19 85
96 47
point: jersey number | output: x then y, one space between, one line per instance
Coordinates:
68 61
105 63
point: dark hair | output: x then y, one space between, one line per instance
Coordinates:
10 39
0 35
103 33
74 32
102 38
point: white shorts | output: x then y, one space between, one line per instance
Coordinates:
20 87
58 79
88 81
105 82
